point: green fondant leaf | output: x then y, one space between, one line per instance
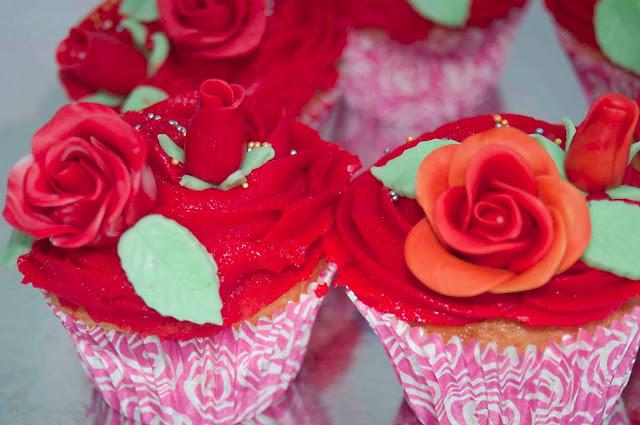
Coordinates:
617 27
171 270
555 152
194 183
399 174
169 147
159 54
570 129
614 244
625 192
140 10
635 148
138 33
451 13
235 179
256 158
19 244
142 97
104 98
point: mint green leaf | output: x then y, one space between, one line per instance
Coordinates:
399 174
570 129
625 192
451 13
235 179
140 10
104 98
19 244
170 147
614 244
159 54
256 158
138 33
635 148
617 25
171 270
194 183
555 152
142 97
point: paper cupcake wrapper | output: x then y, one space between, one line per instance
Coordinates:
419 86
596 74
221 379
578 381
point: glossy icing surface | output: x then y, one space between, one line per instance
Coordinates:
369 248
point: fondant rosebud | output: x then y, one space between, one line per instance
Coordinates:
99 61
218 132
599 153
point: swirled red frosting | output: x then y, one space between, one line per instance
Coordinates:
403 24
368 246
576 17
265 238
295 58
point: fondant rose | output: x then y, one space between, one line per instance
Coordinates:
213 29
91 61
599 153
85 182
499 218
213 150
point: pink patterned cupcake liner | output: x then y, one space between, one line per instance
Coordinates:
596 74
222 379
577 382
410 88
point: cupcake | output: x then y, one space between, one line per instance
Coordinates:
496 259
601 39
132 53
410 65
170 245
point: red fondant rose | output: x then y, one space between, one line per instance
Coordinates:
85 182
213 29
218 132
599 153
499 218
91 61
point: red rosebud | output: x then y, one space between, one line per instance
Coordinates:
100 61
218 132
599 153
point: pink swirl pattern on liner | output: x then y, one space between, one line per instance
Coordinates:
417 87
223 379
596 74
455 383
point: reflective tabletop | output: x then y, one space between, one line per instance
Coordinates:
346 378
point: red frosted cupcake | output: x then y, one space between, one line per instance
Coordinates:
169 243
601 39
496 259
413 64
132 53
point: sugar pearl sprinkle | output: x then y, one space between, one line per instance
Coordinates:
500 122
394 196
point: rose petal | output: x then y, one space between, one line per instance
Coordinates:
442 271
433 178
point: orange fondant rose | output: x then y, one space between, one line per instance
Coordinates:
499 218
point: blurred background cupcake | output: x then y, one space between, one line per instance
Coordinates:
493 259
169 245
411 65
601 39
132 53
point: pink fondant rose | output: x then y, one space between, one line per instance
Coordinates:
213 29
85 182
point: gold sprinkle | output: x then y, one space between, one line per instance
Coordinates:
557 141
251 144
245 185
175 162
497 117
410 139
504 122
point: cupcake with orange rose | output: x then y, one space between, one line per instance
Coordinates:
496 259
132 53
169 244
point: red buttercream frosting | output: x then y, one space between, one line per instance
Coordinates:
576 17
403 24
265 238
369 248
288 56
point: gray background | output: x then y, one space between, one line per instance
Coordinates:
41 380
